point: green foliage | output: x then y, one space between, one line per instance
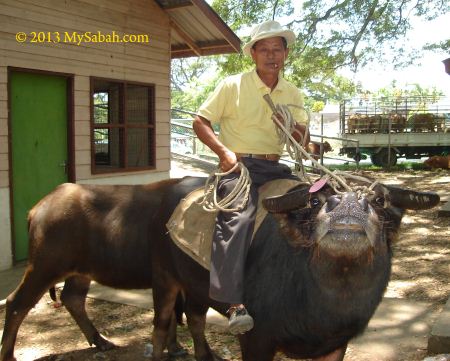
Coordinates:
422 96
317 106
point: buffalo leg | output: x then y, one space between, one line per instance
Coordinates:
164 296
73 297
336 355
256 347
173 347
18 304
196 318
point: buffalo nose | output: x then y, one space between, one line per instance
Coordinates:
349 197
352 198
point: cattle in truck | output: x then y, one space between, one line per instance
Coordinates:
422 122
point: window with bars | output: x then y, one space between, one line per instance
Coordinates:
123 126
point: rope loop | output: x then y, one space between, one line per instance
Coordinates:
210 200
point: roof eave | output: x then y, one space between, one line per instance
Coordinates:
228 42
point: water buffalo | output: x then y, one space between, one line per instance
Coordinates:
80 233
315 273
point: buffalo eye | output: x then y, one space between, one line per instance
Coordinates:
314 202
379 201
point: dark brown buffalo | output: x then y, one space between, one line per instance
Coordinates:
80 233
315 273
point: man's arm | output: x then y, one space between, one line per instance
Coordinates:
202 127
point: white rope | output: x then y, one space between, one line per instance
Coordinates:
336 179
296 150
210 202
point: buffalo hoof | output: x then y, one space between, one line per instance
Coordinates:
214 358
102 343
176 351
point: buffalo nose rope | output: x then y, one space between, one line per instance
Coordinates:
282 116
336 179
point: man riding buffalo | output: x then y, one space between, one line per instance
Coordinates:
247 134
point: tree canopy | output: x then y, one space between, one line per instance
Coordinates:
331 34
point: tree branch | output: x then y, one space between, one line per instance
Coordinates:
274 9
313 26
368 19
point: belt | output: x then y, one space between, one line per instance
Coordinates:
272 157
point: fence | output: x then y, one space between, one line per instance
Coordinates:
185 142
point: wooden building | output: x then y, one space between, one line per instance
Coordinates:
85 95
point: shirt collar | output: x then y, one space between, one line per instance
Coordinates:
281 85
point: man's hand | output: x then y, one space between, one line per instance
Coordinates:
205 132
227 160
299 133
279 118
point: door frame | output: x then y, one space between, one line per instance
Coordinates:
70 137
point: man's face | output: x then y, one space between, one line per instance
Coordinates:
269 55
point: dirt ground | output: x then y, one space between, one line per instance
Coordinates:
420 273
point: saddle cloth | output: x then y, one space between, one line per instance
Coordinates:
191 227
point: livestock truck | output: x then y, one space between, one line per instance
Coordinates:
386 129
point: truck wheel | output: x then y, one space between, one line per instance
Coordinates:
383 158
375 159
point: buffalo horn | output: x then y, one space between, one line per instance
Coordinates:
408 199
294 199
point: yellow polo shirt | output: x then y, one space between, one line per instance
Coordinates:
245 117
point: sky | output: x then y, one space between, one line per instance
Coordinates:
428 73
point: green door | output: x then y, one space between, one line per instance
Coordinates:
39 145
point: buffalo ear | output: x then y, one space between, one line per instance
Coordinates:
294 199
409 199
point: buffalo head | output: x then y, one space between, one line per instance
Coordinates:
345 224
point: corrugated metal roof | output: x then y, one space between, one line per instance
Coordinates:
197 30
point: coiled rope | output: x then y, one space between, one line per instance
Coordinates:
210 202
